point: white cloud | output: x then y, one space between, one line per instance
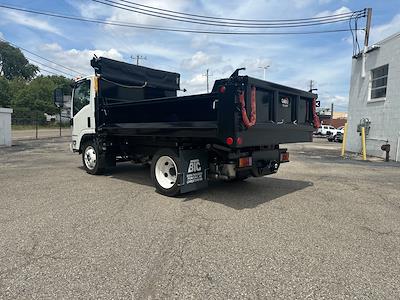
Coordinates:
381 32
340 102
128 15
341 10
1 35
255 64
200 59
197 84
91 9
78 60
324 1
29 21
293 60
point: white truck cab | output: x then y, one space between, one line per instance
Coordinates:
83 108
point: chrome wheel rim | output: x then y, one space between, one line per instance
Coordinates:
90 158
166 172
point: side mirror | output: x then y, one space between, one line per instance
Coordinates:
58 97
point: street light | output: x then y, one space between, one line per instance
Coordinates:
265 68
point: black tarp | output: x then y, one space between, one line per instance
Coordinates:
129 74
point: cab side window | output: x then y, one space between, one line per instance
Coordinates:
81 95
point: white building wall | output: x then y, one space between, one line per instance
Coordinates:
5 126
384 115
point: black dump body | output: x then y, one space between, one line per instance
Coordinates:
136 101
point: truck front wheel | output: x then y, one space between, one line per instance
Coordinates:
165 168
92 161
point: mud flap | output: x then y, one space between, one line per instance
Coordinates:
194 170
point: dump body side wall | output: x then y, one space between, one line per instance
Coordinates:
213 117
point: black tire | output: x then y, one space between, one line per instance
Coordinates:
98 166
173 155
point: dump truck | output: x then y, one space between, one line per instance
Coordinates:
125 112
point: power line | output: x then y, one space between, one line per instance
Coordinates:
50 72
219 23
38 62
202 18
231 19
37 55
169 29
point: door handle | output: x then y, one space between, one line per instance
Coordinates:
214 105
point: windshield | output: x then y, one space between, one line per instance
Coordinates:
81 95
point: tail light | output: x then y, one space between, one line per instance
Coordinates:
245 162
284 156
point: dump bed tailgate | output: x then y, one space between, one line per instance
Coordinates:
266 113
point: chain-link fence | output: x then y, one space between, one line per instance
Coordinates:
37 125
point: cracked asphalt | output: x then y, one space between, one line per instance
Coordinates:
323 227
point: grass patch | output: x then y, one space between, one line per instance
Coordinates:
33 127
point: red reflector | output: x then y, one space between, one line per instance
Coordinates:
245 162
239 140
222 89
229 140
284 156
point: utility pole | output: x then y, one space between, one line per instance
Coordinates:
265 69
368 26
208 75
366 40
60 118
138 57
332 114
312 86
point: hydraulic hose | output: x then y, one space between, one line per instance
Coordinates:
315 116
248 123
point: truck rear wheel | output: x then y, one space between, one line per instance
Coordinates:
92 161
165 168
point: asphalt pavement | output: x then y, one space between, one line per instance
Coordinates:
323 227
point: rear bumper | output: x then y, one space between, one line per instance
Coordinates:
265 162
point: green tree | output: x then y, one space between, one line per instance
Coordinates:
13 63
5 93
37 96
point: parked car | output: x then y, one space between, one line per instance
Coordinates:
326 130
338 137
340 129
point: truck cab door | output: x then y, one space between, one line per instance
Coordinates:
82 111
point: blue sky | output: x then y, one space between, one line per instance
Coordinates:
293 60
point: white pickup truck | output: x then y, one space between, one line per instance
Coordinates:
326 130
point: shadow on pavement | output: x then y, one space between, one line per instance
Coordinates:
237 195
250 193
127 171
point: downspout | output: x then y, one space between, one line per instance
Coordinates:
364 60
398 146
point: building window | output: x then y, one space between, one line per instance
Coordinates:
378 83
